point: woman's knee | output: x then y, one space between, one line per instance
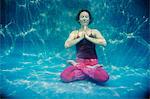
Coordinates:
105 78
102 76
65 78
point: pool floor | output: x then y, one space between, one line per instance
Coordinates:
39 78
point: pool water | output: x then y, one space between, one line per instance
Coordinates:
32 53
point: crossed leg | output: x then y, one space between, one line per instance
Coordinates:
98 74
73 73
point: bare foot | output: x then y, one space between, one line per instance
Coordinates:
72 62
95 66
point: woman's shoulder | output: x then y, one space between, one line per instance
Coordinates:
74 31
95 30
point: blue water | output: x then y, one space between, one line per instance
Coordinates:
32 53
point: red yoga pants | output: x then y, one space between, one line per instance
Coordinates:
82 71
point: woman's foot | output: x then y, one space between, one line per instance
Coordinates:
95 66
72 62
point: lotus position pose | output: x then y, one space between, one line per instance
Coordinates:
86 64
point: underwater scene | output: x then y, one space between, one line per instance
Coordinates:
32 52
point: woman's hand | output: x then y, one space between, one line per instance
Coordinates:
86 36
81 34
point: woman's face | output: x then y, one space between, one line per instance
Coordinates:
84 18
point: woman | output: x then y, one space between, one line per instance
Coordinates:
86 65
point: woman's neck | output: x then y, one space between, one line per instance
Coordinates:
84 28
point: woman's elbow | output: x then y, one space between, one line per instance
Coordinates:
104 43
66 45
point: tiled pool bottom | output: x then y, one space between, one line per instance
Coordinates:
35 78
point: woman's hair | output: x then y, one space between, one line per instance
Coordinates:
78 15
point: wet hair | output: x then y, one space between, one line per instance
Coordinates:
78 15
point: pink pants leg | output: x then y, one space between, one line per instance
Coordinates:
71 73
82 71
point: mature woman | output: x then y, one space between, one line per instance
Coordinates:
85 39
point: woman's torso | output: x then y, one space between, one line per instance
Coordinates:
86 49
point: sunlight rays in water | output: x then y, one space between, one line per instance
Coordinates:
32 53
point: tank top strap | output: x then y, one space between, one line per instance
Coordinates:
91 35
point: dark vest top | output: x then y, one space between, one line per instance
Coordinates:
86 49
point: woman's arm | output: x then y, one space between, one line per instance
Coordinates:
72 39
99 38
